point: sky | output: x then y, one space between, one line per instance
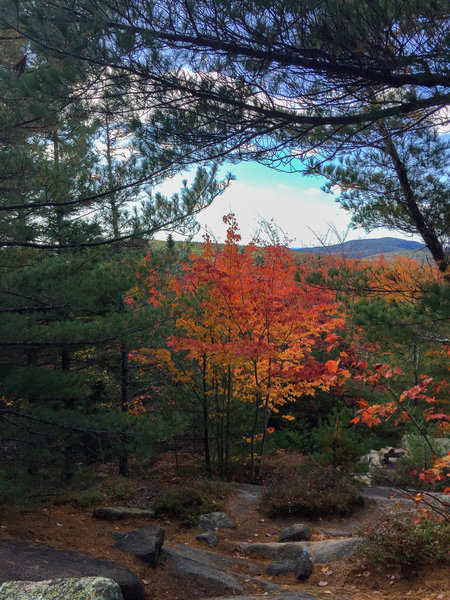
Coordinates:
305 214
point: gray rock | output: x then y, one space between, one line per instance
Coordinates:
199 574
332 550
218 560
215 520
209 537
22 561
370 457
337 532
364 480
245 500
275 550
86 588
281 567
385 494
438 500
114 513
302 567
144 543
320 552
295 533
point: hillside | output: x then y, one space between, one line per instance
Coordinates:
369 247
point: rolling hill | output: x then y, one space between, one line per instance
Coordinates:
369 247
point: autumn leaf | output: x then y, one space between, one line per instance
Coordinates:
332 366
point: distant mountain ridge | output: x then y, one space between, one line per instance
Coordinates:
365 248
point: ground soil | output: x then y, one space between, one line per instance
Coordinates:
70 527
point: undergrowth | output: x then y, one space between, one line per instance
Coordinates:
191 501
302 486
405 541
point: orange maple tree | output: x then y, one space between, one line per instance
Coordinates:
247 331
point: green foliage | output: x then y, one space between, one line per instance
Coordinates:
188 503
84 498
66 440
296 436
404 541
307 488
335 439
401 184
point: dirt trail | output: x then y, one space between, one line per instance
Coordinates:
66 527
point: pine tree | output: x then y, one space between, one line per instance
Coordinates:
400 182
64 331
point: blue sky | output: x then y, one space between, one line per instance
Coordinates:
294 202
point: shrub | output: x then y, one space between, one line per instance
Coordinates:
310 489
403 540
188 503
281 465
335 439
116 490
83 499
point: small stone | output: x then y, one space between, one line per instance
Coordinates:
295 533
215 520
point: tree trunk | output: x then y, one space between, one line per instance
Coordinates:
426 231
206 447
124 384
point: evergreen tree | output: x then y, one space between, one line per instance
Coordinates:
253 79
64 331
400 182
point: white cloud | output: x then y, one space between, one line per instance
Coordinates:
306 216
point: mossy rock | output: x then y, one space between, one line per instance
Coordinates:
86 588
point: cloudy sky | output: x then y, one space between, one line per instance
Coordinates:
295 203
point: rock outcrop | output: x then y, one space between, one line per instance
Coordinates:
144 543
320 552
22 561
87 588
